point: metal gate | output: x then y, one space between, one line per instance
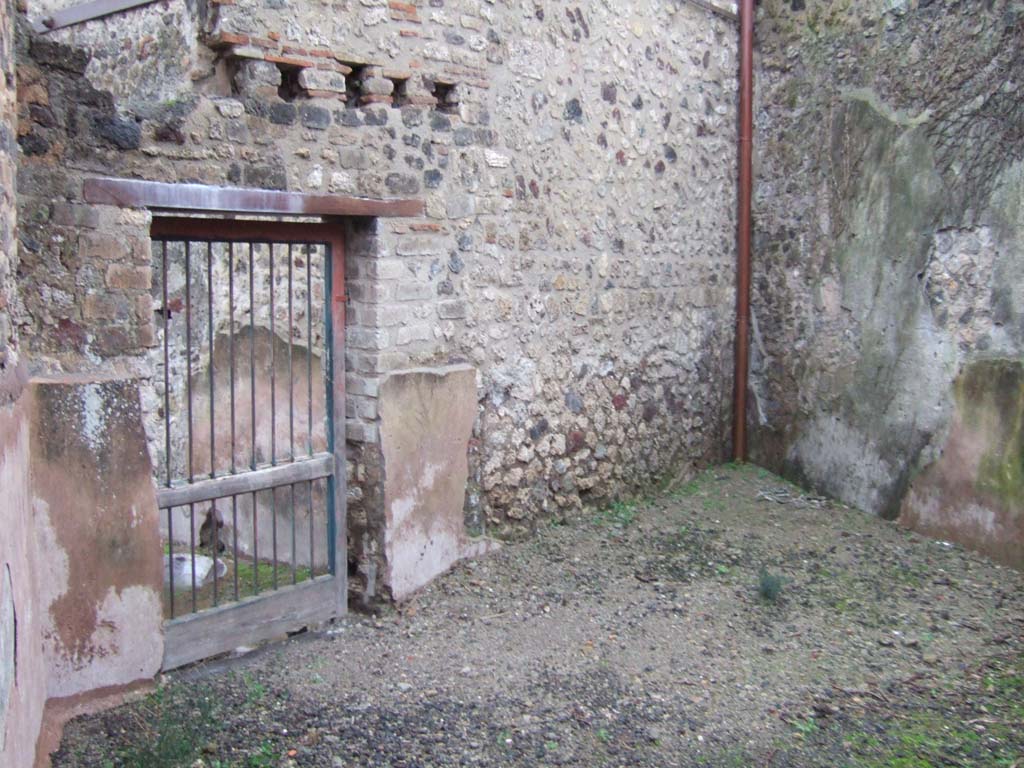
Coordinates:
247 429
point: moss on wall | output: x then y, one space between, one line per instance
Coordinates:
990 396
889 256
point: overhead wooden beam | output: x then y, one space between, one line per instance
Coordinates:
78 14
201 198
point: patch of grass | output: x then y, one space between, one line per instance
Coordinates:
713 504
932 738
910 576
926 740
687 489
619 514
253 578
769 586
167 739
732 757
1006 684
860 741
843 605
264 757
806 727
254 689
264 575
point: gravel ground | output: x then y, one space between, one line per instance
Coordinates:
643 634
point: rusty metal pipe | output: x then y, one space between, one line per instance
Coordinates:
743 226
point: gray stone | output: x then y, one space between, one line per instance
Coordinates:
322 80
253 77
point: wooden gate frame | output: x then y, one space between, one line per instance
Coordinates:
197 636
201 635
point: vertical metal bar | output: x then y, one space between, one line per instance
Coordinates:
255 545
231 350
338 531
188 391
234 531
328 367
252 362
273 417
309 509
209 326
170 554
273 372
192 548
216 549
273 531
188 348
309 351
213 419
167 370
291 378
294 552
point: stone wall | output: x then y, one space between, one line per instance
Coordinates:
23 676
889 269
577 167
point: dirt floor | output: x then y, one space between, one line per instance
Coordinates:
732 621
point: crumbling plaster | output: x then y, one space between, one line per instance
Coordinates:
889 253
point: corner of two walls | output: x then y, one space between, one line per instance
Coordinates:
23 673
80 616
598 332
889 272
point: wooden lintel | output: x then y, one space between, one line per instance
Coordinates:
78 14
201 198
320 465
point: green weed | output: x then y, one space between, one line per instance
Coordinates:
172 740
265 757
713 504
254 689
253 578
769 586
806 727
687 489
929 739
619 514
